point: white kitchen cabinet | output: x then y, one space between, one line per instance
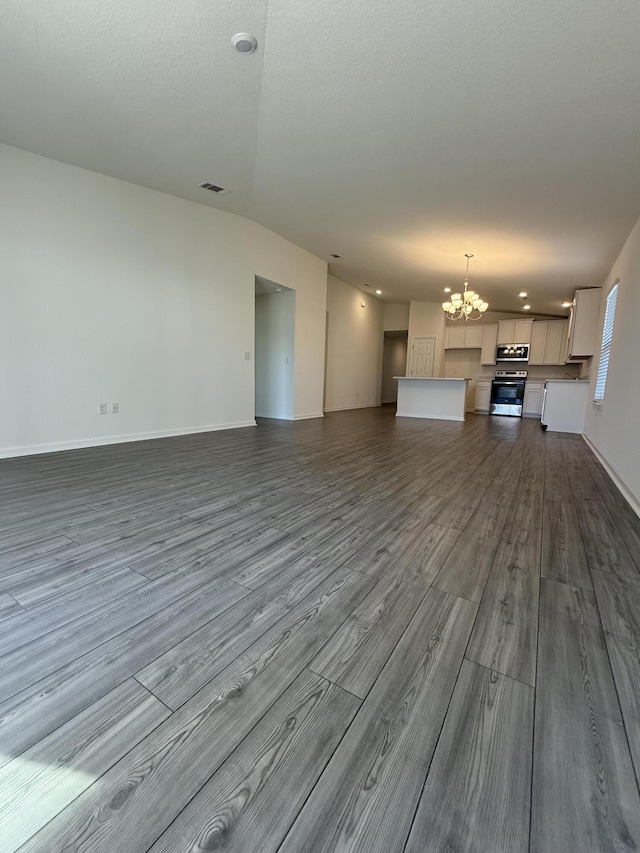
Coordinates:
463 337
483 395
489 343
454 337
548 342
514 331
583 324
565 405
473 337
533 395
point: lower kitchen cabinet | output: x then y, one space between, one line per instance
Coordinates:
533 396
483 396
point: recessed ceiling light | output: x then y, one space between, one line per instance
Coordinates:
378 292
447 290
522 295
526 307
336 256
566 304
244 43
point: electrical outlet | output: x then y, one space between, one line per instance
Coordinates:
115 408
247 356
102 408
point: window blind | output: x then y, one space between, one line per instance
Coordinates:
607 337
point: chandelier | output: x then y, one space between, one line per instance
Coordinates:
465 306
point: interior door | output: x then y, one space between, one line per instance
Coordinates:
422 356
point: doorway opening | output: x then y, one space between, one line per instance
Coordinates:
394 363
275 327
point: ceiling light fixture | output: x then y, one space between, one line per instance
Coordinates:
526 307
523 295
244 43
465 306
447 290
378 292
567 304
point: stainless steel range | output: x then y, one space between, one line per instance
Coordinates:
507 392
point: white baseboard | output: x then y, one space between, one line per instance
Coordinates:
349 408
103 441
430 417
308 417
273 417
632 499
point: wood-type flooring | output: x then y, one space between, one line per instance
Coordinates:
357 633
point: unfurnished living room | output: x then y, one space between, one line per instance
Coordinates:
319 426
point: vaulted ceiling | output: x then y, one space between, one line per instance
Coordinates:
399 134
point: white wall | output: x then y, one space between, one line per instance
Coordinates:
426 319
396 316
275 354
613 428
354 347
394 360
276 259
112 292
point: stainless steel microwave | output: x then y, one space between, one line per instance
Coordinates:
512 352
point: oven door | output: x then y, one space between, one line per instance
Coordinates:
507 397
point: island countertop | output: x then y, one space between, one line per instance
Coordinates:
434 378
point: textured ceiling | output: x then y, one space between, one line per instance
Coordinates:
399 135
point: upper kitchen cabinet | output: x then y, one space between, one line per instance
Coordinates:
514 331
473 337
583 324
489 343
454 337
548 342
463 337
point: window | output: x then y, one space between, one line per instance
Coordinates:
607 336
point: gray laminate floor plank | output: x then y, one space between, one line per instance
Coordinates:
37 710
8 607
504 635
37 786
172 764
477 795
182 670
357 652
606 551
467 567
35 660
563 555
248 805
585 795
619 606
26 625
366 797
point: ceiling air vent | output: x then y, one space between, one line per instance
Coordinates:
214 188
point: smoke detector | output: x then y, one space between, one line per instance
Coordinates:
244 43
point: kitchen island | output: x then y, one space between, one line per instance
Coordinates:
440 398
